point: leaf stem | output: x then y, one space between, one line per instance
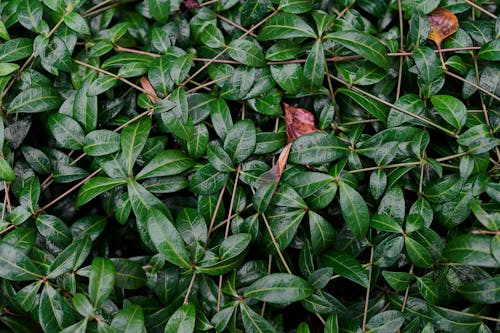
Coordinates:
481 9
367 296
407 292
276 246
458 77
400 109
190 287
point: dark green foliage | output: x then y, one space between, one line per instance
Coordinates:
159 170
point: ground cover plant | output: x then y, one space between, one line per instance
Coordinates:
249 166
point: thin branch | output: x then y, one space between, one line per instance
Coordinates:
413 115
367 296
481 9
401 48
190 287
407 292
458 77
234 24
276 246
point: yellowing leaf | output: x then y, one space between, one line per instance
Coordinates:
443 24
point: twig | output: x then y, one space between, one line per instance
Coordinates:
458 77
481 9
367 296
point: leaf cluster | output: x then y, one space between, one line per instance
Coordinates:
154 178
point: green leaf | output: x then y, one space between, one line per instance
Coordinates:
363 44
451 109
6 172
15 265
53 229
471 250
346 266
159 9
486 291
166 163
489 221
409 102
253 11
36 159
71 258
128 274
316 148
85 108
240 140
166 239
30 15
285 26
182 320
76 22
284 223
132 141
418 254
354 210
386 322
96 186
295 6
101 281
314 68
246 52
35 100
82 305
101 84
67 132
322 232
8 68
16 49
288 76
253 322
101 142
27 296
431 76
221 117
398 281
207 180
53 311
231 253
130 319
490 51
373 107
386 223
279 288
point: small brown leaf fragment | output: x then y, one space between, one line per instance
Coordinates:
150 91
298 122
274 174
148 88
443 24
189 4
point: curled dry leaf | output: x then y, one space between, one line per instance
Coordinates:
443 24
148 88
298 122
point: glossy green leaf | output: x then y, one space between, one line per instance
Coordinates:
76 22
35 100
132 141
373 107
53 311
71 258
53 229
27 296
386 322
246 52
159 9
16 49
16 265
316 148
67 132
6 172
83 305
314 68
253 322
363 44
346 266
354 210
470 250
182 320
128 274
284 26
130 319
490 51
101 281
485 291
166 163
417 253
279 288
166 239
451 109
101 142
296 6
96 186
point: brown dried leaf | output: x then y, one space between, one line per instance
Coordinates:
443 24
274 174
148 88
298 122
